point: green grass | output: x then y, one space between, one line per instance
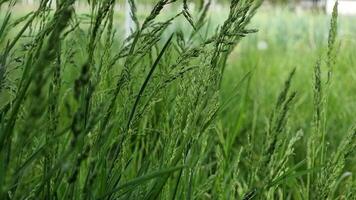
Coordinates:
188 107
298 43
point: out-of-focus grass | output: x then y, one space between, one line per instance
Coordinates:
288 40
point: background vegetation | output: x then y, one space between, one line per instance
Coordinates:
194 104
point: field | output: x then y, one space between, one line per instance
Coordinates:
237 102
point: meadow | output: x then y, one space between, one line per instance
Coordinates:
241 102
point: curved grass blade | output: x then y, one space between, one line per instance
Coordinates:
142 179
144 85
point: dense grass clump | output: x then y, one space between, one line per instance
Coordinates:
88 114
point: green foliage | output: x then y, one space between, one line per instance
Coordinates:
87 114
